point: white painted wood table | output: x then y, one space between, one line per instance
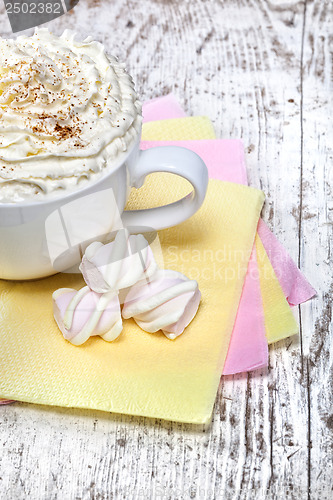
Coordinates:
262 71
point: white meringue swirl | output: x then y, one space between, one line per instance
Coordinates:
119 264
168 302
84 313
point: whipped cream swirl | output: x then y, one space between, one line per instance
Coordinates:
67 110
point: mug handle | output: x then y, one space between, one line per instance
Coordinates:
174 160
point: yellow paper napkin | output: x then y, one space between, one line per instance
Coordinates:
280 322
191 128
279 319
139 373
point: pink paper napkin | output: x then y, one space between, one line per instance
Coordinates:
166 106
295 286
248 348
225 161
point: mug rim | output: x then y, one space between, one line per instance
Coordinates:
71 194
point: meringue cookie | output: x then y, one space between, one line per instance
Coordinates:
168 302
84 313
119 264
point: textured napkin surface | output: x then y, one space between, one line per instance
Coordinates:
248 349
294 284
224 158
140 373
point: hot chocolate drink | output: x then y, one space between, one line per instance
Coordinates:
67 113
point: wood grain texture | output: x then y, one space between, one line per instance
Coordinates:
262 71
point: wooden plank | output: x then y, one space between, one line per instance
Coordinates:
239 62
316 240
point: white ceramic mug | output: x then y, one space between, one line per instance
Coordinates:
41 238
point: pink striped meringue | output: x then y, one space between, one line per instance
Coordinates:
168 302
84 313
119 264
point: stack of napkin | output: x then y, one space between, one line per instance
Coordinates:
263 316
247 280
